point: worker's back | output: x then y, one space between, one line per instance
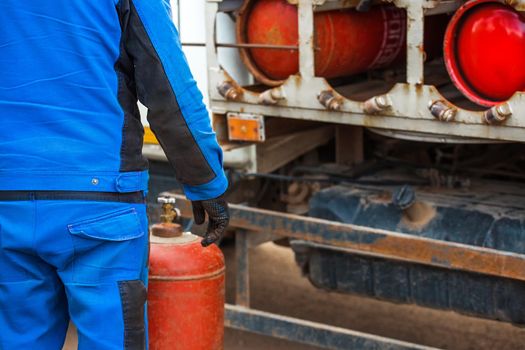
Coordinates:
59 87
74 229
70 75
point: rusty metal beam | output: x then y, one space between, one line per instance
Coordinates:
377 243
310 333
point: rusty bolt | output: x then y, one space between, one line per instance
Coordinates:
513 3
404 197
377 104
229 91
442 111
364 5
498 114
328 99
272 96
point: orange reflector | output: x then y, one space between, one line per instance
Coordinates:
246 127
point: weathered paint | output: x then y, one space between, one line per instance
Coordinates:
374 242
185 294
346 41
480 215
310 333
409 110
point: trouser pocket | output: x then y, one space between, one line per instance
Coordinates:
108 246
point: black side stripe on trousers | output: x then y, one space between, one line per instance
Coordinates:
133 296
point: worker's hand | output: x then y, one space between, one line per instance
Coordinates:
218 218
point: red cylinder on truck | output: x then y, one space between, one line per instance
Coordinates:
185 294
485 50
347 42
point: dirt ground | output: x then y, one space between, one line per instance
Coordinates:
277 286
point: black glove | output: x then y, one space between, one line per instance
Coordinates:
218 218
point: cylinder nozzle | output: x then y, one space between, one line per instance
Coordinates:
167 228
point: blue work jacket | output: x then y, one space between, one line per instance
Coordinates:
71 72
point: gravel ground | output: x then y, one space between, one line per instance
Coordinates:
277 286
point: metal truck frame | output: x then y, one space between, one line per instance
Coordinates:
412 109
410 106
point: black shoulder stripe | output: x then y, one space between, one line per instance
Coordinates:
154 90
131 158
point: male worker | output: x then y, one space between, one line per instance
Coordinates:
73 228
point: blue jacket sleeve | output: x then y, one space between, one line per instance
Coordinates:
176 112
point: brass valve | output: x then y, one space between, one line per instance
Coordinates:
170 213
167 228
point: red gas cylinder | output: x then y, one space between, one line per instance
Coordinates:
485 51
185 292
347 41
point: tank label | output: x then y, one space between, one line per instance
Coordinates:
395 23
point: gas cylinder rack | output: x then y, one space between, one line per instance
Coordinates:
290 69
420 102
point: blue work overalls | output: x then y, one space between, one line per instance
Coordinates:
73 227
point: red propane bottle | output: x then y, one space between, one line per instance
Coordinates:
347 42
185 292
